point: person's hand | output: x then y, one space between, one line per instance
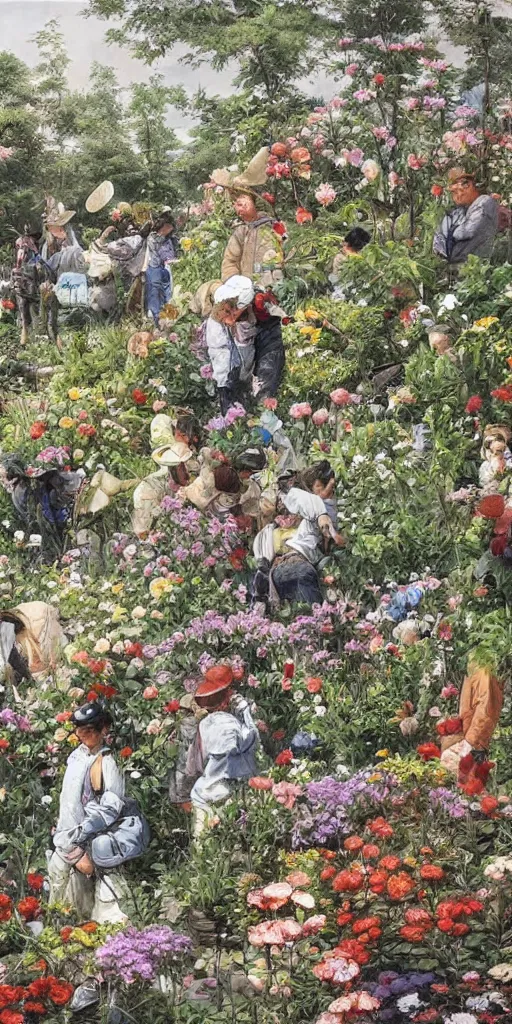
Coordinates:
85 865
238 702
339 540
256 386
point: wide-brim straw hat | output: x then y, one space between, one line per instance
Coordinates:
246 182
99 197
57 216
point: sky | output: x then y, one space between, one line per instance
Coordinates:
85 41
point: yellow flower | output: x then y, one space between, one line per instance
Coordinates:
382 753
485 322
376 777
117 588
73 740
60 735
316 335
83 938
159 587
74 394
119 613
312 314
306 330
410 861
187 244
66 422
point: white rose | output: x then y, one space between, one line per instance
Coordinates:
102 646
138 612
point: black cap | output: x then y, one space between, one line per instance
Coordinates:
89 714
250 460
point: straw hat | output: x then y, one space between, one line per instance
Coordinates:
56 215
247 181
99 197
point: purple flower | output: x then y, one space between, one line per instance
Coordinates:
8 717
206 371
139 955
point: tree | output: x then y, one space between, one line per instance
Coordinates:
487 39
19 131
155 141
273 43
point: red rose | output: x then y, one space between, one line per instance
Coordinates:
30 1007
5 909
285 757
4 744
65 933
418 916
353 843
431 872
445 924
289 670
348 881
399 885
327 873
11 1017
172 706
8 304
474 404
303 216
411 933
365 924
60 991
35 882
278 734
351 949
139 397
29 908
428 751
390 863
344 917
378 881
370 851
379 79
503 394
126 752
381 828
86 430
37 430
459 929
488 804
436 191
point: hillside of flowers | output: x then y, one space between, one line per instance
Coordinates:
352 878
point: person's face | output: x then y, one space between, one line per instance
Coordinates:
463 192
245 208
231 315
165 230
57 232
90 736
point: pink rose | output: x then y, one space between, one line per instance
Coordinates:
158 405
415 162
320 417
449 691
355 157
300 410
325 194
150 693
340 396
154 727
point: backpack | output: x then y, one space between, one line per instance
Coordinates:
128 837
71 290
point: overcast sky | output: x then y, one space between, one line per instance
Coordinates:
85 41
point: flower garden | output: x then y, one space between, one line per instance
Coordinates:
352 878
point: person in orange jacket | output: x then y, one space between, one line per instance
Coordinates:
465 751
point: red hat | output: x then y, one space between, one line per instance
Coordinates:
217 680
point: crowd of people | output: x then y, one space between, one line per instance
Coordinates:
288 510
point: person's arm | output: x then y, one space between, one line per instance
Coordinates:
219 351
232 259
481 219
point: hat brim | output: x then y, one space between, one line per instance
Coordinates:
61 220
99 197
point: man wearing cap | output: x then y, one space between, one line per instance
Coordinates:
225 746
230 332
470 228
92 780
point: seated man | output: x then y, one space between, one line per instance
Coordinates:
97 828
287 559
470 228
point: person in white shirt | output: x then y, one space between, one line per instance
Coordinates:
72 875
288 558
225 746
230 333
